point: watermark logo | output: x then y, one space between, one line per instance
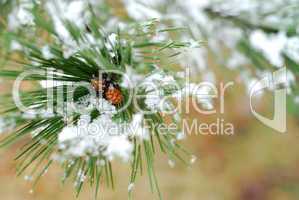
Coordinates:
148 97
203 97
276 82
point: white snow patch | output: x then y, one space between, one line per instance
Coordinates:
270 45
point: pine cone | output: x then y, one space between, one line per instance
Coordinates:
114 95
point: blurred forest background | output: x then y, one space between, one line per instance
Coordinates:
256 163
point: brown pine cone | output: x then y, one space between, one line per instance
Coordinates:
114 95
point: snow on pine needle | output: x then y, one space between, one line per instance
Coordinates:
84 112
258 35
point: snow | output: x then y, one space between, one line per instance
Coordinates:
131 78
171 163
15 46
74 11
180 136
100 136
193 159
20 16
154 86
28 178
270 45
35 132
202 93
103 135
137 128
6 124
46 52
153 100
2 125
90 102
80 177
219 34
104 107
292 48
236 60
32 113
119 147
194 58
51 83
142 10
131 187
101 162
111 43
